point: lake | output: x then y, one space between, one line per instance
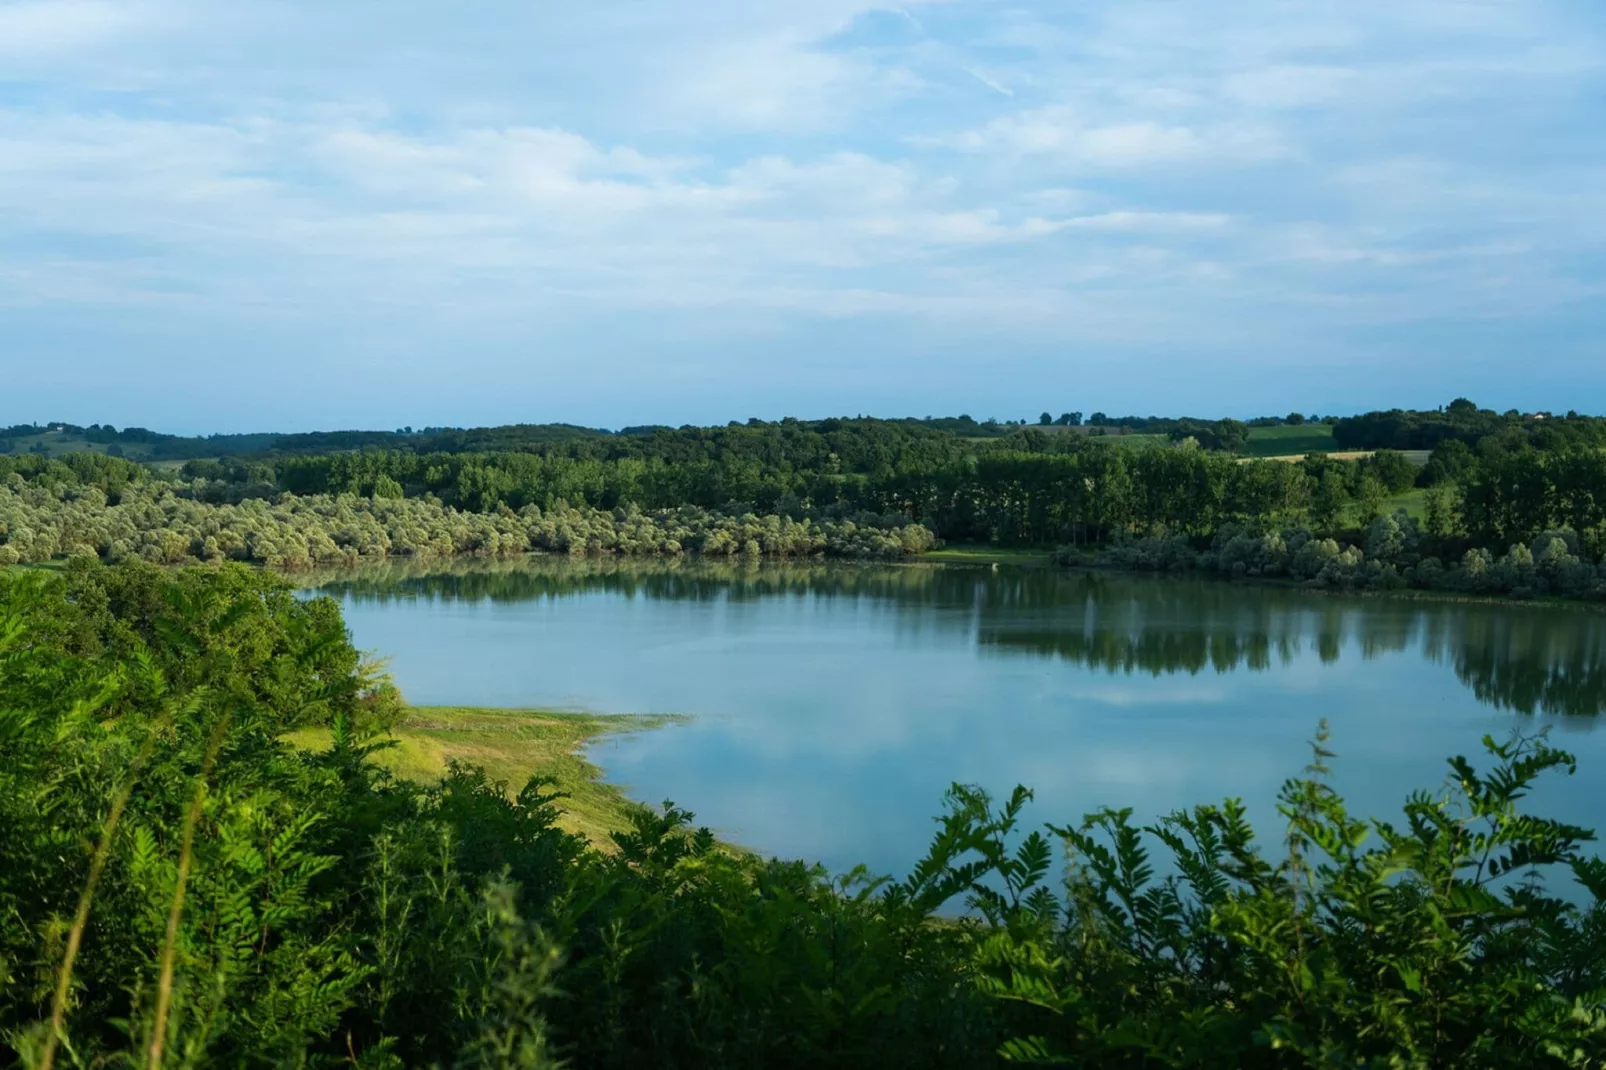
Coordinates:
831 705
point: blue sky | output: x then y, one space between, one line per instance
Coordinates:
287 214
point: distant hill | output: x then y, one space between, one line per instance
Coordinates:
58 439
1270 436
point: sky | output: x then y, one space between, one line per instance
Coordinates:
288 215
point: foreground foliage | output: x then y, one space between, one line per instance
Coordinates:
179 886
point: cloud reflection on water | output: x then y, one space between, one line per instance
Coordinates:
835 704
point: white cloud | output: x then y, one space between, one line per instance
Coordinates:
1137 143
1068 136
1156 175
611 223
989 81
31 28
760 84
848 176
386 164
1151 221
1290 86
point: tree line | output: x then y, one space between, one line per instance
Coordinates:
1463 421
899 487
496 503
154 523
570 439
1395 553
1028 489
1400 429
110 475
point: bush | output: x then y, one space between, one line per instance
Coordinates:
1392 557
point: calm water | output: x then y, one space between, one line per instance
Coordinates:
833 705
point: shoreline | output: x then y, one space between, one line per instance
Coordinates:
512 745
1414 594
962 555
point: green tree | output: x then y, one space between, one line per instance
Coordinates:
1439 511
1370 498
1449 462
1393 469
1329 497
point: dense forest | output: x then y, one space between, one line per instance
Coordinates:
153 523
1522 508
181 886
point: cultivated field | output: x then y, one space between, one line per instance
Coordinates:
1290 441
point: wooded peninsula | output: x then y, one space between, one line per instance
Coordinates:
1459 499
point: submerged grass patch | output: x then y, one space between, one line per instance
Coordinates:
512 746
983 554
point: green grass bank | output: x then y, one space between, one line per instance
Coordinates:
512 746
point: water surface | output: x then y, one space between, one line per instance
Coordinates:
832 705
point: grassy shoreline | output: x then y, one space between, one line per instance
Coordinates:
1415 594
513 745
983 554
